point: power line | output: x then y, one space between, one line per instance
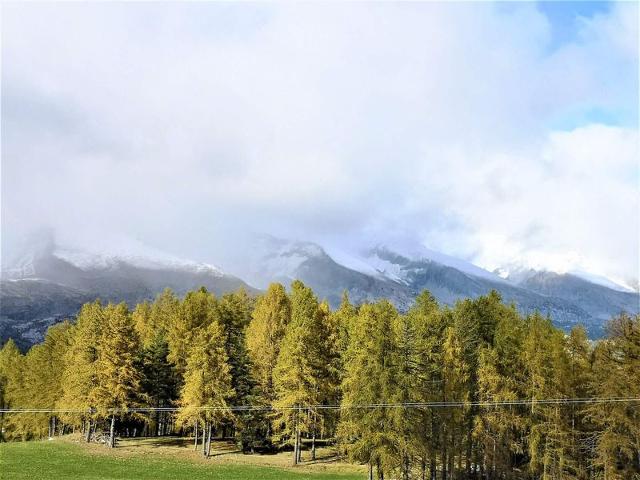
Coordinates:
268 408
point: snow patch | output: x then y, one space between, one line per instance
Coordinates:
602 281
149 259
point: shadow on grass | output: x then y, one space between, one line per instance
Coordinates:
155 442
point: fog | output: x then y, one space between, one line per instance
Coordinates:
497 133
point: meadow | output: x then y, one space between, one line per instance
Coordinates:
158 459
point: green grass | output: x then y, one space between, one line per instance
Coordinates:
67 460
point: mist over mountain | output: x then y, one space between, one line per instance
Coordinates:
47 283
401 277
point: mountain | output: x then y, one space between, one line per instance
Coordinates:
449 284
29 306
278 260
384 272
49 284
595 298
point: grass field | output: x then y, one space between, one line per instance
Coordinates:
159 459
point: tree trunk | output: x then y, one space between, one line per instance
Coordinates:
443 459
380 472
209 440
405 467
204 429
87 436
313 445
370 471
433 473
296 443
112 431
469 448
195 443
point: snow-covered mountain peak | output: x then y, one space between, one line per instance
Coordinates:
392 261
103 255
152 260
276 258
518 274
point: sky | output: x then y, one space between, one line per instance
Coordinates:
505 134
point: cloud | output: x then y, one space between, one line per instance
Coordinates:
188 125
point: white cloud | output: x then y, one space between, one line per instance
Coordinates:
181 123
571 204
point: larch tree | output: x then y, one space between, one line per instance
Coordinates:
264 335
405 390
300 370
477 363
370 377
159 380
196 312
12 391
80 370
235 315
428 326
616 374
144 323
207 385
119 373
501 377
455 388
342 320
269 319
549 437
45 364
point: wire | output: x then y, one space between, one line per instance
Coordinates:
269 408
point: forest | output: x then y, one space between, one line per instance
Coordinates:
471 391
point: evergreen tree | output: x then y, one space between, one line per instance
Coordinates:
616 373
264 336
80 366
164 314
235 315
159 381
42 380
468 362
197 311
371 378
271 315
429 326
546 363
300 370
207 382
500 432
342 320
118 373
11 390
143 321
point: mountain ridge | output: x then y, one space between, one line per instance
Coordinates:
51 283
